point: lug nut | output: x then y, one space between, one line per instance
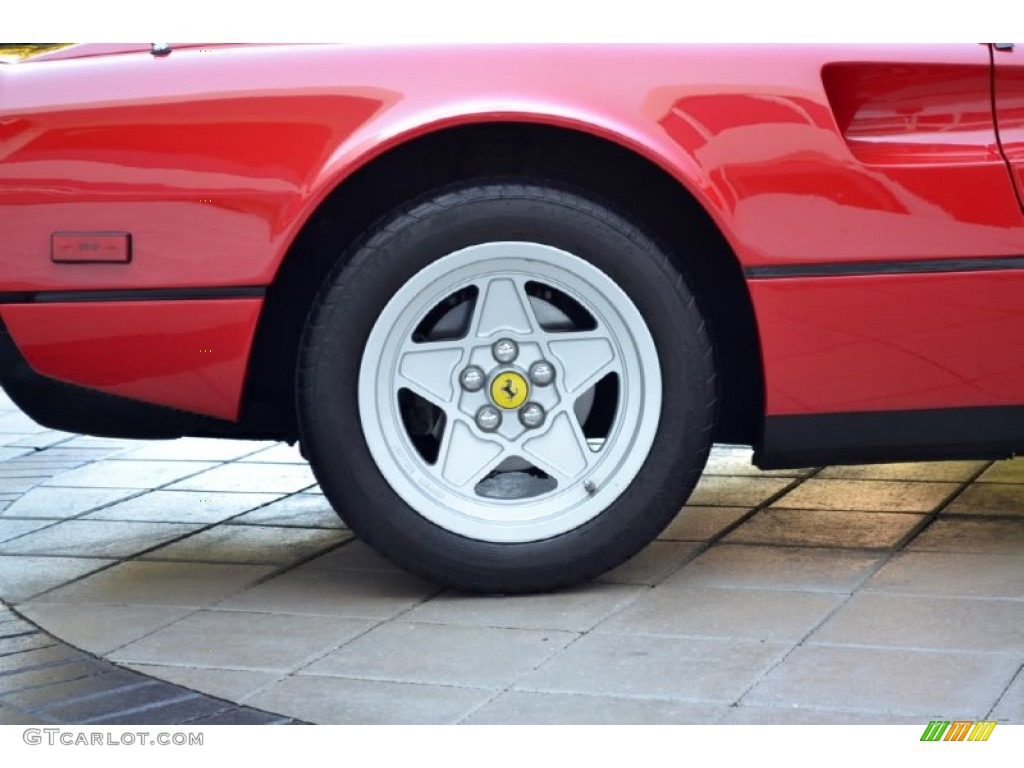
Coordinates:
471 379
542 373
531 415
488 418
505 350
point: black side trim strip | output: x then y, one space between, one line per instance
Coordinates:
880 436
142 294
923 266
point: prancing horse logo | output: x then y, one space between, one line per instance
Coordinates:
509 390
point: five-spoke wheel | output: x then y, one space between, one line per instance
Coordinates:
506 388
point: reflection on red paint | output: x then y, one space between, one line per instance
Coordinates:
185 354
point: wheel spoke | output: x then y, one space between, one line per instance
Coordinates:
502 309
583 360
464 456
430 373
559 450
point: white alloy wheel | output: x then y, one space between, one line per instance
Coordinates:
513 459
506 387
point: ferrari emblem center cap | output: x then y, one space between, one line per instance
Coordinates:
509 390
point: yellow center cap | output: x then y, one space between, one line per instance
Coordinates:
509 390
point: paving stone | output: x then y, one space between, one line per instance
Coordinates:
6 454
1008 471
23 473
801 568
230 640
520 708
13 716
739 461
715 491
230 684
812 528
250 544
141 693
180 584
23 577
656 667
37 658
12 626
791 715
950 574
57 503
986 536
11 439
49 675
171 713
1003 499
930 684
935 471
193 449
92 441
18 484
353 555
484 657
100 628
702 523
183 506
62 452
758 614
108 678
281 453
108 473
43 439
42 461
365 702
95 538
1011 706
238 716
867 496
653 563
252 477
13 528
351 594
577 609
931 623
27 642
18 422
301 510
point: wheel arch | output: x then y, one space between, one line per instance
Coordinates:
594 164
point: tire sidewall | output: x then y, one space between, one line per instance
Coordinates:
347 310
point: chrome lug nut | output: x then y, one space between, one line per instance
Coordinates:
531 415
472 378
542 373
488 418
505 350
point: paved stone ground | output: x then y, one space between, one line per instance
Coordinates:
870 594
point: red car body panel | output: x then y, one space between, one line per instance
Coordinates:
124 348
214 159
892 342
1008 88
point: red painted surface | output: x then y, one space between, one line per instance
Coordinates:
186 354
891 342
214 158
1009 101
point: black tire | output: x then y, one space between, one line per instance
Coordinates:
378 266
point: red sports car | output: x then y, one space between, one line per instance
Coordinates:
506 297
